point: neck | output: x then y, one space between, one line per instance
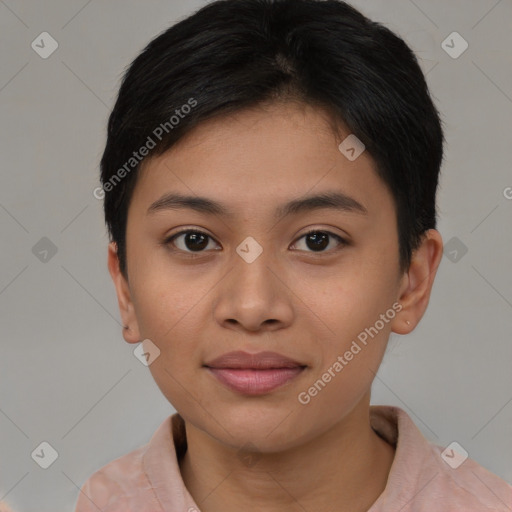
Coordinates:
348 465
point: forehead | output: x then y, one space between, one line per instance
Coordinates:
261 158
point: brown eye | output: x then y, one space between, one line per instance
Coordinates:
190 240
318 240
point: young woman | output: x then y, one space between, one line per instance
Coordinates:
269 184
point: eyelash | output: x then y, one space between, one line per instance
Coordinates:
169 241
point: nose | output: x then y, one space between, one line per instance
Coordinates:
254 296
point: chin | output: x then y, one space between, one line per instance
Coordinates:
269 430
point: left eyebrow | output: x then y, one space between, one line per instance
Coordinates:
327 200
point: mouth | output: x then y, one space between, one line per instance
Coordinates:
254 374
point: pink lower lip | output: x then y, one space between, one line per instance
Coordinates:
255 382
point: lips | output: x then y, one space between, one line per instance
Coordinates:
254 374
259 361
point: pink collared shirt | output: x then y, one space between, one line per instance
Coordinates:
421 480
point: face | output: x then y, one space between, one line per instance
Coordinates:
254 280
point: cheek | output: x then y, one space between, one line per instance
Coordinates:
346 300
347 311
350 355
167 313
164 298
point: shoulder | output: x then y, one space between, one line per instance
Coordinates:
460 481
426 477
119 486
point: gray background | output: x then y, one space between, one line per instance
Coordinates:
67 376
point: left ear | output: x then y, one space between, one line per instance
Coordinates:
417 282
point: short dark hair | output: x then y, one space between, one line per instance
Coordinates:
235 54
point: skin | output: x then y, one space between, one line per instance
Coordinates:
308 305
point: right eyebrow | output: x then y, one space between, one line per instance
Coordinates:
327 200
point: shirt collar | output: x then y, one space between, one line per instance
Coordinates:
161 465
412 466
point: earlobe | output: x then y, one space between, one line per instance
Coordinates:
126 309
414 293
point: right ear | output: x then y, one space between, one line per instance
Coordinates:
126 308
